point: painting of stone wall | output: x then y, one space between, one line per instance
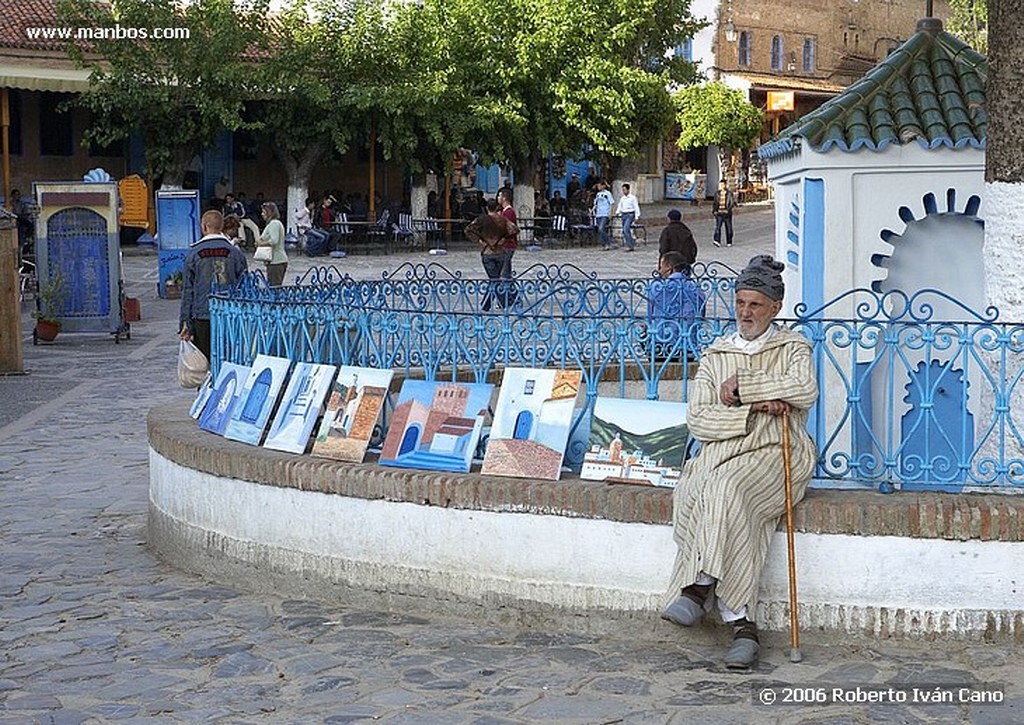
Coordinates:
353 407
531 423
436 426
636 441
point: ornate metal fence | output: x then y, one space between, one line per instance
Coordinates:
908 400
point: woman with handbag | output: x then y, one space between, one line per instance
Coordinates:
270 248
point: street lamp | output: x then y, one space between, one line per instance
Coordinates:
730 31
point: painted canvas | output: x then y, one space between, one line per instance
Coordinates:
636 441
300 407
436 426
205 391
223 398
257 399
531 423
352 411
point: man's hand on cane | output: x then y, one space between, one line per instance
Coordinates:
772 407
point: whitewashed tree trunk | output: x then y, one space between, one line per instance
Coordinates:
418 199
1004 203
299 171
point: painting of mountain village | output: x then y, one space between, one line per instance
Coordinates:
353 407
531 423
636 441
436 426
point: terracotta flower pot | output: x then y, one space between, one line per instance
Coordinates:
46 330
132 309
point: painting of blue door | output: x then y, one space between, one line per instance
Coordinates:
257 397
524 424
938 430
409 440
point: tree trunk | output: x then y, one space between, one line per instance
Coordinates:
724 162
418 198
525 172
1004 199
1004 160
299 171
625 171
175 168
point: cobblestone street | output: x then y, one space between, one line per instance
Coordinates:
94 628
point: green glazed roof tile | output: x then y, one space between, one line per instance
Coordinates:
930 90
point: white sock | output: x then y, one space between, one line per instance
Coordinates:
730 616
704 580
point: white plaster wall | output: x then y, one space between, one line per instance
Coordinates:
1004 272
703 42
845 582
1004 248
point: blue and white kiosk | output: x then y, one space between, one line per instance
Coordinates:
78 251
177 227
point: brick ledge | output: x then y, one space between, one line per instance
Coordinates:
174 435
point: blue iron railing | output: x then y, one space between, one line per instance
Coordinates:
908 400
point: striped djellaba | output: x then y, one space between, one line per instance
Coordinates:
730 498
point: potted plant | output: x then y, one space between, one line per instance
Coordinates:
173 285
50 304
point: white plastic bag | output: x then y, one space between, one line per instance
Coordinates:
192 365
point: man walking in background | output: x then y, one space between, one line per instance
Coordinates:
629 210
722 209
213 263
603 201
677 237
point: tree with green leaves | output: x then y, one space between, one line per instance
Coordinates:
713 114
178 94
969 21
557 75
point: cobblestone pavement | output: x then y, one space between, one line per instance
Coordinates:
94 628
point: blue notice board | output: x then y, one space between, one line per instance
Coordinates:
177 227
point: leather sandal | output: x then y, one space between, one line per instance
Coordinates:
742 655
691 605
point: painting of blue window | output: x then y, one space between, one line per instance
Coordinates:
531 423
222 399
257 399
300 406
436 426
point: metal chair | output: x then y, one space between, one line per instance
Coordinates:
403 230
381 230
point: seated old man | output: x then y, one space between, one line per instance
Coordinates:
729 501
674 303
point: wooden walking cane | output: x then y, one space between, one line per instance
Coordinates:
794 629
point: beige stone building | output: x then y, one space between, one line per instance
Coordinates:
802 52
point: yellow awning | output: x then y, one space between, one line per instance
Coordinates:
34 78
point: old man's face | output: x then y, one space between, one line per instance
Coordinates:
754 312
